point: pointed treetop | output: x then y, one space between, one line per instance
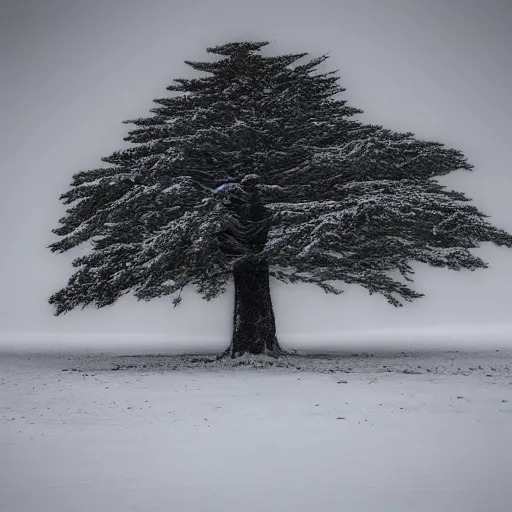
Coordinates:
231 49
241 50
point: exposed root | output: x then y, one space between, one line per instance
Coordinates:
266 353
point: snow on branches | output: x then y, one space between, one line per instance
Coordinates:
262 161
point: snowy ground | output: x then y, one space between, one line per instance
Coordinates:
383 432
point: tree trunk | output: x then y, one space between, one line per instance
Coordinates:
254 326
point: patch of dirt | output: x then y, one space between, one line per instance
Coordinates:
484 364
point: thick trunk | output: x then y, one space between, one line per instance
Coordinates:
254 326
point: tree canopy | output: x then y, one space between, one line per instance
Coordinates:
344 201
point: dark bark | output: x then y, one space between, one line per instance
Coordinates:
254 325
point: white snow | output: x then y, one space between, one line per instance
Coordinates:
159 433
176 187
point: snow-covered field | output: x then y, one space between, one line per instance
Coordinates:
383 432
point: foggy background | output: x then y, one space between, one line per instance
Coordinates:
72 71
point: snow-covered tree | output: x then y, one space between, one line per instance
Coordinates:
256 169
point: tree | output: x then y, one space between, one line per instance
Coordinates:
257 170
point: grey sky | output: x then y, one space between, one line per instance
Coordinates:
71 71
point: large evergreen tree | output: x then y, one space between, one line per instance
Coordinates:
257 169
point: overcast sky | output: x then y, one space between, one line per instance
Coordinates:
71 71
